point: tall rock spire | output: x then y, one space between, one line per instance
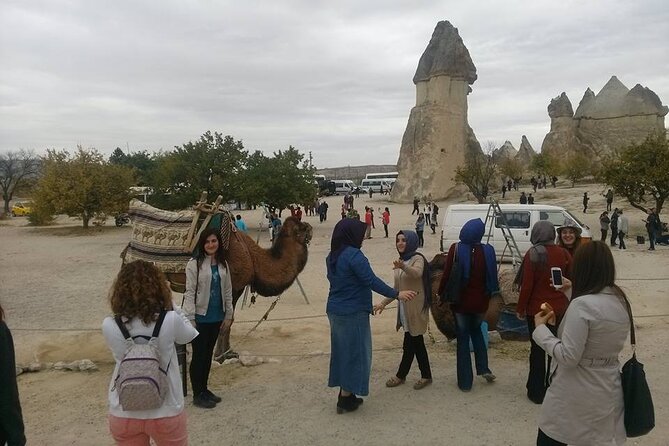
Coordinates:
437 135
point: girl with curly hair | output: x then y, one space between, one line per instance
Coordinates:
207 301
139 296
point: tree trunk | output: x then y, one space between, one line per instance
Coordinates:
7 198
85 218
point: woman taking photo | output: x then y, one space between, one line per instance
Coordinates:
534 280
478 283
584 403
348 308
207 301
412 272
138 297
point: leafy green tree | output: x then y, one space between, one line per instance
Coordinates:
18 170
511 168
82 185
640 172
213 164
576 167
478 172
286 178
142 164
545 164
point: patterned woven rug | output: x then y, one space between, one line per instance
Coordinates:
159 237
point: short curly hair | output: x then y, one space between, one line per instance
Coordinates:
140 290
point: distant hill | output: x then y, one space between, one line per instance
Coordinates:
355 173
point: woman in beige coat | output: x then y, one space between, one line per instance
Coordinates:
411 273
584 403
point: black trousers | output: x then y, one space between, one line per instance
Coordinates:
621 239
537 377
614 235
545 440
414 346
604 232
421 240
203 352
385 228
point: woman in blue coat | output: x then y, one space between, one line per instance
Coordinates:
348 308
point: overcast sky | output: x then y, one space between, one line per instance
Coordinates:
331 77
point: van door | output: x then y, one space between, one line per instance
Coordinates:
519 223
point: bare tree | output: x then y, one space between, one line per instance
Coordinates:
16 169
478 172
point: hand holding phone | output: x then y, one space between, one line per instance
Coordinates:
556 278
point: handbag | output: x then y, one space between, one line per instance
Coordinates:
451 292
639 411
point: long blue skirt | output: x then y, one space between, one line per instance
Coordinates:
351 352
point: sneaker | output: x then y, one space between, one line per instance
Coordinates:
211 396
490 377
422 383
203 402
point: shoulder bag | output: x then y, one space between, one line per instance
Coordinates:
451 291
639 411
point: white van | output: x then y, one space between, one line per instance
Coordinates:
519 217
343 186
375 184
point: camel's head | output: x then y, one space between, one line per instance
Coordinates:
299 230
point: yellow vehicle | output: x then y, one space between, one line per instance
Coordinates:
21 209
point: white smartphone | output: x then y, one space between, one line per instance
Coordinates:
556 275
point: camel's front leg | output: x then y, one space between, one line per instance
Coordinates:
223 351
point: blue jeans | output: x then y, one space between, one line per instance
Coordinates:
468 325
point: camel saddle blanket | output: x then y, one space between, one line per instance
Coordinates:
161 237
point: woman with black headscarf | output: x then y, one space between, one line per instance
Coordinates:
536 288
478 282
412 272
348 308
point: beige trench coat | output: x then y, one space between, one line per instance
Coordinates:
584 403
411 278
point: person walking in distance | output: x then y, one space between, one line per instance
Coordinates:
623 227
609 199
416 203
368 222
614 227
385 218
420 227
604 222
652 227
585 202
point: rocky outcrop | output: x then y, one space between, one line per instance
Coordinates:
437 135
506 150
614 117
526 152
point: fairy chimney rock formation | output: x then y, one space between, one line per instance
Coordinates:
437 135
506 150
614 117
525 152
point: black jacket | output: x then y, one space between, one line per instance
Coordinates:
11 420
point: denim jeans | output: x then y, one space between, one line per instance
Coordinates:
468 325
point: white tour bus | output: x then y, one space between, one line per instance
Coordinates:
343 186
519 217
382 176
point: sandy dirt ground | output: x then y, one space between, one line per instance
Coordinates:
54 283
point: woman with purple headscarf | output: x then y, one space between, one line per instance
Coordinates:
412 272
478 282
348 308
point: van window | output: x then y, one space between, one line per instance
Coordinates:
515 219
555 217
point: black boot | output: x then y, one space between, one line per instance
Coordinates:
347 403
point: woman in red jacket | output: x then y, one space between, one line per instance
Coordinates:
536 288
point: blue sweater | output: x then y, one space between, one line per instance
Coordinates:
352 283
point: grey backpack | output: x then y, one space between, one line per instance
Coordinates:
141 384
